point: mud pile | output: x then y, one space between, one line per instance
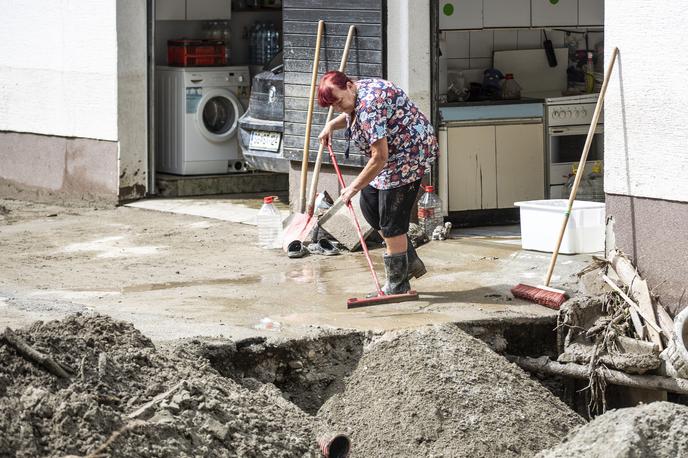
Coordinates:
438 392
653 430
127 398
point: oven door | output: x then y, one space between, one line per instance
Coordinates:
564 150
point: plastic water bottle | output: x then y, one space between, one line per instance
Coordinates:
596 180
584 191
270 43
253 39
430 211
260 44
269 225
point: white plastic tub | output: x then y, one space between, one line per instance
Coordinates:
541 221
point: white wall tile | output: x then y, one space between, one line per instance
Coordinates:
505 40
457 45
594 38
481 43
557 37
481 62
458 64
529 39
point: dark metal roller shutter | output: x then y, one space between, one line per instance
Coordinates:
366 59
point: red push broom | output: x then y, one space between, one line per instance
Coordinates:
544 295
381 297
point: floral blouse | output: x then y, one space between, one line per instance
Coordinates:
384 110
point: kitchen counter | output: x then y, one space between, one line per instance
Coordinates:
480 103
493 109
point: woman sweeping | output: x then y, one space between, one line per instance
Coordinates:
400 141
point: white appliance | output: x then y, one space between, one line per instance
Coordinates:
567 121
197 114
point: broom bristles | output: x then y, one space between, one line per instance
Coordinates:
543 295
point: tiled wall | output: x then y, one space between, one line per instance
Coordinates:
473 49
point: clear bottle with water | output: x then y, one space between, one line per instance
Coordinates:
253 39
430 211
260 44
596 179
269 223
584 191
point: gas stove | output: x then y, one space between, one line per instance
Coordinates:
571 111
567 121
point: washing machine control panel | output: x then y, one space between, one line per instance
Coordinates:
232 77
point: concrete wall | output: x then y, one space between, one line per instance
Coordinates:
646 140
646 117
73 78
408 50
42 167
58 68
652 233
132 105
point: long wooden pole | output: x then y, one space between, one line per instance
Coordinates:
581 165
309 119
318 161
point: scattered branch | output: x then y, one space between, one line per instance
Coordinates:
34 356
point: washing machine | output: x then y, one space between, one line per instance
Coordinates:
197 119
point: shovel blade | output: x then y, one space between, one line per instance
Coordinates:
299 228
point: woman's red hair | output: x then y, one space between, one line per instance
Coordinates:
327 82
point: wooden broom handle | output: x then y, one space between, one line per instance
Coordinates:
309 119
581 165
321 148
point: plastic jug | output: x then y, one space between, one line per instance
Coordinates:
511 89
429 211
269 223
584 187
596 180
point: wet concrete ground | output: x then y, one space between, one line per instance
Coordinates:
176 275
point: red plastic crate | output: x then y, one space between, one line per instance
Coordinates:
195 53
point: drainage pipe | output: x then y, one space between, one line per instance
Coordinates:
650 382
334 445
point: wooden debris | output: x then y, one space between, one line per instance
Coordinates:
639 291
100 452
34 356
650 382
633 305
145 409
665 322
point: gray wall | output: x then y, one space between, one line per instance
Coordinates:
132 98
652 233
49 168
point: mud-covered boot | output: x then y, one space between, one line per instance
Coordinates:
416 268
396 269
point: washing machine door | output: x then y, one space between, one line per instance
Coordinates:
217 115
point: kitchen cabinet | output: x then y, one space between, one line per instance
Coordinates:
461 14
547 13
493 166
471 168
506 13
520 163
208 9
170 10
591 12
192 10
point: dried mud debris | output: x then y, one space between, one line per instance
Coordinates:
656 430
440 392
129 399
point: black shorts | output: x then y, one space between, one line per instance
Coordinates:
389 210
